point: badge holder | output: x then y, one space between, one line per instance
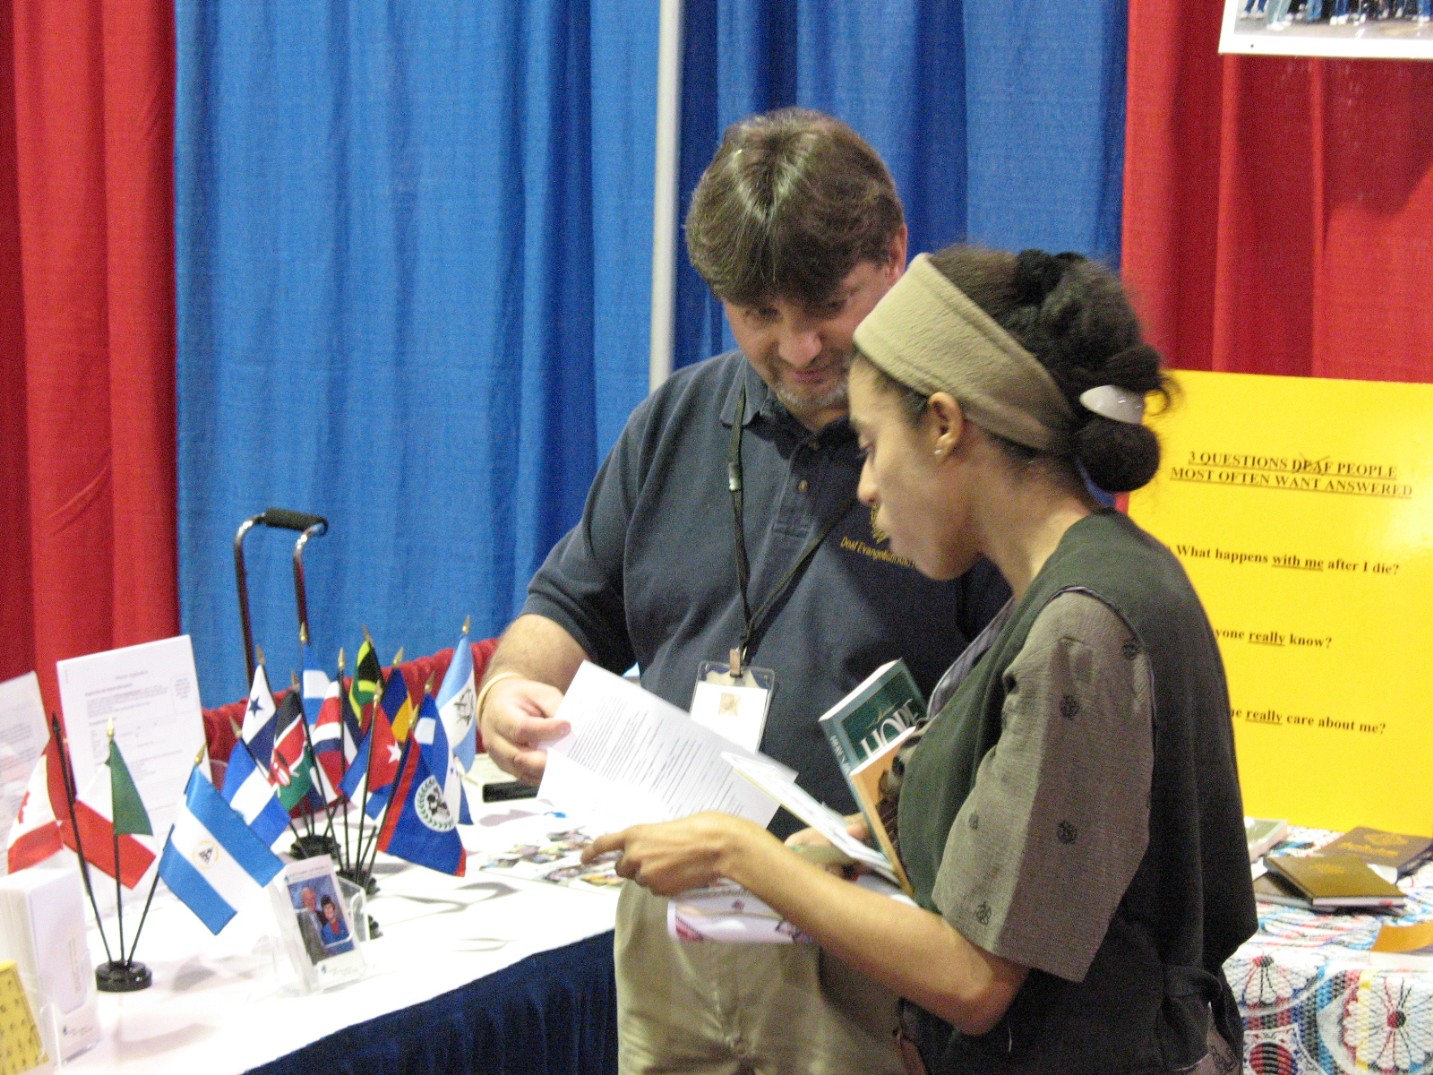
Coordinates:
731 699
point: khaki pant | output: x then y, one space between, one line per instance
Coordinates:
741 1009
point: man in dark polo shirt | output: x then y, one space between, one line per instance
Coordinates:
725 519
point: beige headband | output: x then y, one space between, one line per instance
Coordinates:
925 333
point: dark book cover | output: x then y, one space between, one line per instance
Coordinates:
1334 880
1402 852
883 705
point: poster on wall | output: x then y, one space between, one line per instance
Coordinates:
1302 509
1368 29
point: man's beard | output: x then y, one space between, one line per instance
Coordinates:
798 402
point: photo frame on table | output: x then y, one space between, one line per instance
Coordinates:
1351 29
318 927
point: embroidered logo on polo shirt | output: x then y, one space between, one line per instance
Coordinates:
873 548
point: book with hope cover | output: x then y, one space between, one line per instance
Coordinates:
1329 881
878 709
866 730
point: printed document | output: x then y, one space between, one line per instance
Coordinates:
633 758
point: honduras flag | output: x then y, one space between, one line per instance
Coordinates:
457 699
212 859
247 790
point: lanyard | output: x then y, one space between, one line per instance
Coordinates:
752 620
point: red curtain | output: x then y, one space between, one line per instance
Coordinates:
1278 213
87 396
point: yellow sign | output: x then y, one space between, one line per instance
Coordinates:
1302 509
20 1048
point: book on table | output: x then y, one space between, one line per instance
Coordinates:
1335 880
1269 888
1394 854
1262 833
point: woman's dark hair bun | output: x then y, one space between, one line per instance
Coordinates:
1037 273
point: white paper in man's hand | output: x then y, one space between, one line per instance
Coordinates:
633 758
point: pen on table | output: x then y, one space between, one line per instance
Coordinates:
508 789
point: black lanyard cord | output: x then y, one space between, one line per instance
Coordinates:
752 620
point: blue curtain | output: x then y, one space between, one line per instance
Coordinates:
413 247
1002 123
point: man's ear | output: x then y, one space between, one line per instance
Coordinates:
947 423
895 256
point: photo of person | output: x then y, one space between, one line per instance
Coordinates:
321 919
335 930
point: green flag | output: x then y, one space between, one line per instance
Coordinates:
130 816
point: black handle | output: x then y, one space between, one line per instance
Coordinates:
292 520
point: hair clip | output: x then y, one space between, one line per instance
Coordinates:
1115 403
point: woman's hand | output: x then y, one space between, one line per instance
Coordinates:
677 856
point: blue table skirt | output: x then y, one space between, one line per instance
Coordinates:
554 1013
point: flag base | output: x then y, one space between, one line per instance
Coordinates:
126 977
314 845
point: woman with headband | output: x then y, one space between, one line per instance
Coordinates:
1070 818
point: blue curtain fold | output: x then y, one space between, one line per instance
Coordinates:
413 247
1001 123
413 258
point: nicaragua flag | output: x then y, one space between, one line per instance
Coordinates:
442 763
212 859
457 698
248 791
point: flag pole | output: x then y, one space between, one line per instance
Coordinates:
144 914
346 854
388 807
123 975
314 844
68 776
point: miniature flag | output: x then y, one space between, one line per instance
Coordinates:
315 681
35 836
260 718
397 704
326 739
418 826
111 806
292 767
212 859
248 790
433 740
457 698
367 680
370 778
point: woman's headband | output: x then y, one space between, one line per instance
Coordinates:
925 333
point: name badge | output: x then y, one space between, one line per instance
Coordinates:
733 706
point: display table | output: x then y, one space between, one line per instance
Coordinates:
1315 999
482 973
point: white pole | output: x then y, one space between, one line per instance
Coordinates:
664 209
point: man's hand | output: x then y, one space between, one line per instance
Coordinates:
517 704
517 722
